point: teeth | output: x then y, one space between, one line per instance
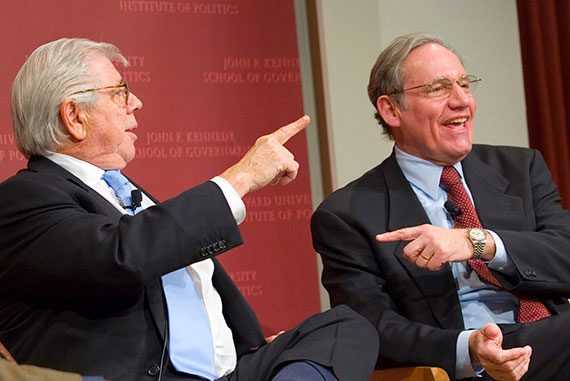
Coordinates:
458 120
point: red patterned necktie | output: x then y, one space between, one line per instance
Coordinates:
531 309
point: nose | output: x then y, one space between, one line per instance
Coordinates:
134 103
459 98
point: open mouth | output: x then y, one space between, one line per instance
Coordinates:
457 122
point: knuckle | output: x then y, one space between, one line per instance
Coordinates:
261 140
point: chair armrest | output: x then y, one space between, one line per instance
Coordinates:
419 373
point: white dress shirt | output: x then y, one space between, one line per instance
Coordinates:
225 357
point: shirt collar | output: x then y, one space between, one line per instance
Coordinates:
86 172
421 173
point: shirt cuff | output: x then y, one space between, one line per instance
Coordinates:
501 262
234 200
463 367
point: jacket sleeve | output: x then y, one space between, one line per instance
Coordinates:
62 241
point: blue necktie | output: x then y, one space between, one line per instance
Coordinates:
190 340
122 188
191 346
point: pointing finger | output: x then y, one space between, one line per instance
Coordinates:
287 132
406 234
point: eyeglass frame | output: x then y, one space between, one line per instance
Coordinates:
429 84
124 84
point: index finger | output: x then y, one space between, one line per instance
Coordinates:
287 132
503 356
405 234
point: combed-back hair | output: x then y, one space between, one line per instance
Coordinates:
51 73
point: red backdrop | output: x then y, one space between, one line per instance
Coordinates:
213 76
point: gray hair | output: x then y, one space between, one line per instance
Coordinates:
387 75
51 73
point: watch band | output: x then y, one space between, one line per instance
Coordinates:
478 239
478 250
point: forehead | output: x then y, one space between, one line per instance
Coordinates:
431 61
103 70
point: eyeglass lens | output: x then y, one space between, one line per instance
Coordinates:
443 86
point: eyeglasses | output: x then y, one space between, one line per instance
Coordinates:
124 85
441 87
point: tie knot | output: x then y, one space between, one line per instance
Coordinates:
450 177
115 179
120 184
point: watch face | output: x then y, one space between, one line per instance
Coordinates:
477 234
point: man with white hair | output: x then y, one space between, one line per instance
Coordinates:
99 278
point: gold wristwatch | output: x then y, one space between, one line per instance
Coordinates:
478 238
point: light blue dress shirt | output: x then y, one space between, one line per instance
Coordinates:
481 302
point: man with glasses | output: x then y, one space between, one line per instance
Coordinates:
457 253
98 278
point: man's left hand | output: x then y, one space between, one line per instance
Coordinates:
485 349
268 340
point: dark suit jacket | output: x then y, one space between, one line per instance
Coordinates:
417 311
80 283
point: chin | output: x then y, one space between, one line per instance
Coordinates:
127 160
453 156
128 155
461 155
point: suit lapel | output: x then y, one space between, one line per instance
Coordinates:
144 191
157 304
239 315
405 210
41 164
495 208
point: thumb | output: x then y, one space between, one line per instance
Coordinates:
492 332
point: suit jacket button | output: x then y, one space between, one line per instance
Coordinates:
203 252
216 246
223 244
210 249
153 370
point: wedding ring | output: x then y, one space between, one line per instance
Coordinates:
424 257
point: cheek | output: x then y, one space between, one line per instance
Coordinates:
117 134
114 138
428 116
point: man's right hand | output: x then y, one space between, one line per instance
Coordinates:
268 161
485 349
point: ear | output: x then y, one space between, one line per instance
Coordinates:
74 119
388 110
